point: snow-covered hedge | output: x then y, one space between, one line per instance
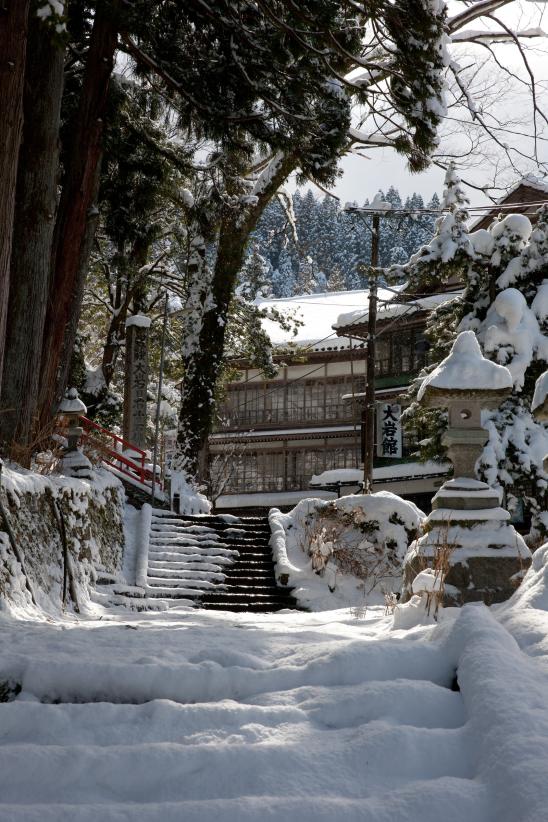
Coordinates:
343 552
92 511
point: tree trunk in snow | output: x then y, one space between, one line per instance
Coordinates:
36 198
13 44
203 366
77 213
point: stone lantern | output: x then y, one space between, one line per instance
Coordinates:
486 556
74 463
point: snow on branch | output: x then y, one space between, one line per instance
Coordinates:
477 36
267 175
478 9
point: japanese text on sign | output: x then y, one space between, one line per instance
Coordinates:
389 430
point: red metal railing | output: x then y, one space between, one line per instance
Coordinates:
110 447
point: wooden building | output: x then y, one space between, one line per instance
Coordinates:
524 198
276 436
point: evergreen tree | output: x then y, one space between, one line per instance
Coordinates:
505 302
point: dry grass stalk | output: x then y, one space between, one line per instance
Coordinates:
441 566
43 450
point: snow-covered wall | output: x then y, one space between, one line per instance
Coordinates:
92 512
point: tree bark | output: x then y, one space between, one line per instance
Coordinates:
77 213
13 44
35 206
201 374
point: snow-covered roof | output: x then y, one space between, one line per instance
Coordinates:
390 308
529 181
402 470
318 313
278 432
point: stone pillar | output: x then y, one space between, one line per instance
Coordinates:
136 380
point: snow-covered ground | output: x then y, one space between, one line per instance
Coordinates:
193 715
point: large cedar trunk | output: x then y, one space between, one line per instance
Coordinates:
199 384
36 198
13 44
77 213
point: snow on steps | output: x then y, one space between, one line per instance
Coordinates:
111 590
215 562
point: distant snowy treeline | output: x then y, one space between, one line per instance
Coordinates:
305 244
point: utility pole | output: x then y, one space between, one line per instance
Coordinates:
369 407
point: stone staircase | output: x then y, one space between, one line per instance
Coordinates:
213 562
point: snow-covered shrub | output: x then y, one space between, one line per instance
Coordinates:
341 552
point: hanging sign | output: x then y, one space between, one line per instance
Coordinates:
389 430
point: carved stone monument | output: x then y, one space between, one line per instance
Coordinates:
136 379
486 556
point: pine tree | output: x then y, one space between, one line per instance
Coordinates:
449 250
283 277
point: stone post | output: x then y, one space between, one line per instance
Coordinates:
486 556
136 379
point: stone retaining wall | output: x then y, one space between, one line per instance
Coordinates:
93 515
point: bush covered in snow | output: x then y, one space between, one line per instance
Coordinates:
345 551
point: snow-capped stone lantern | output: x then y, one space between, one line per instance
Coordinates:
486 556
74 463
464 383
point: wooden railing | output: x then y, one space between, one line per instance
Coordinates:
110 447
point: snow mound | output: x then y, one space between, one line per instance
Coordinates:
466 369
512 334
191 501
345 551
541 391
482 242
515 225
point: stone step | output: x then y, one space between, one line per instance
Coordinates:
250 578
196 556
173 592
185 573
191 584
226 595
248 590
213 562
266 606
251 567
